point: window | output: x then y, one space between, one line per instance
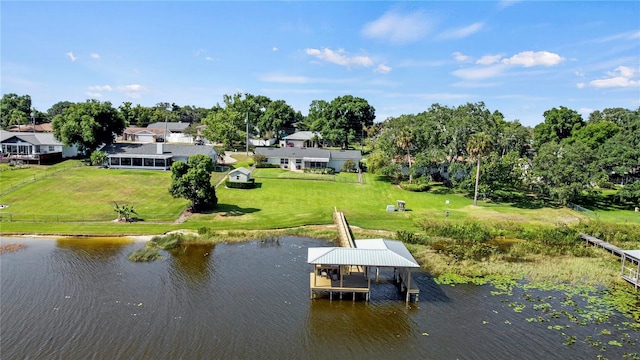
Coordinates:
52 148
137 162
148 162
237 177
125 161
160 162
114 161
284 161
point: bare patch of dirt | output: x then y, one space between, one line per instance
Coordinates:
183 217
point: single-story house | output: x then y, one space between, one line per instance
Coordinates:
240 174
34 147
253 141
301 139
309 158
174 131
158 156
142 135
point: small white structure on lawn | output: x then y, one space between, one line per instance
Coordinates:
241 174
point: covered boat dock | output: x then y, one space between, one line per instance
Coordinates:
348 270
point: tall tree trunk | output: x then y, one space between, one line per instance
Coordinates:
475 196
409 160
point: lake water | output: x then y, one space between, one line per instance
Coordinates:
83 299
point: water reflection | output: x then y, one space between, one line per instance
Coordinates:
192 263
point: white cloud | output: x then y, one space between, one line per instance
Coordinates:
101 88
71 56
133 91
95 56
462 32
383 69
274 48
580 85
93 95
530 58
460 57
399 28
481 72
208 58
199 52
489 59
339 57
622 76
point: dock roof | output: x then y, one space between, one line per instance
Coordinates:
371 252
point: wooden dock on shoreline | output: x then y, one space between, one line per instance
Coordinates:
630 258
347 268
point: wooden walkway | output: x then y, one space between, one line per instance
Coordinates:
630 264
345 238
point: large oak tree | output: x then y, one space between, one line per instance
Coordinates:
88 125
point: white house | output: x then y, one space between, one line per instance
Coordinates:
41 148
173 132
158 156
240 174
298 159
142 135
301 139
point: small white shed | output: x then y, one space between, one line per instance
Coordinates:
240 174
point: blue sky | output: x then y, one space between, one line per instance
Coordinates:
518 57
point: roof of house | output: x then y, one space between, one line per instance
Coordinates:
241 170
171 126
312 153
44 127
34 138
140 130
373 252
152 149
302 135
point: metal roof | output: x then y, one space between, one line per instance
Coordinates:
152 149
298 153
34 138
373 252
241 170
632 253
302 135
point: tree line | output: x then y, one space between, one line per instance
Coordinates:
468 147
563 159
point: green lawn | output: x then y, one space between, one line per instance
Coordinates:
88 193
16 176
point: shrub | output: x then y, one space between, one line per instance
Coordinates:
145 254
414 187
240 185
322 171
348 166
266 166
259 160
166 242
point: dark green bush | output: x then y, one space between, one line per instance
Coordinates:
240 185
465 231
414 187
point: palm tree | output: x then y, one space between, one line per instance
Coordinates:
478 144
405 142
